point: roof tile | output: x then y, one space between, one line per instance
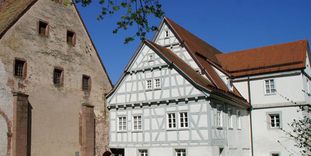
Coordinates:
274 58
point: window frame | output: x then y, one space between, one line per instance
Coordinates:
72 40
166 33
269 119
61 78
46 29
23 74
168 121
124 121
142 154
218 117
238 120
270 88
89 83
230 118
185 122
146 84
176 150
133 123
155 83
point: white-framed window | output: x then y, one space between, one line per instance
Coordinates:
180 152
274 120
122 123
230 119
157 83
238 118
148 84
183 120
171 121
218 117
137 123
142 152
270 86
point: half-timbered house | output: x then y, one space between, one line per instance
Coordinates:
174 99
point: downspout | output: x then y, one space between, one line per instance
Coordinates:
250 112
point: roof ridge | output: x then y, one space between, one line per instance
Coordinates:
304 41
195 46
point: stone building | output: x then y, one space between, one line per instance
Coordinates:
52 82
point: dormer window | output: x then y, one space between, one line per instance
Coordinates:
43 29
71 38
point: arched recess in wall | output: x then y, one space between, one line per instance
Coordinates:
5 134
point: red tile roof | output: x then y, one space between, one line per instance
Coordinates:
195 77
203 53
274 58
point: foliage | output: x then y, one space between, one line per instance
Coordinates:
301 130
137 12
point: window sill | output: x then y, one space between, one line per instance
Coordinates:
137 131
275 128
172 129
270 94
230 128
121 131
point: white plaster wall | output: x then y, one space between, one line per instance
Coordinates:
289 86
154 130
266 139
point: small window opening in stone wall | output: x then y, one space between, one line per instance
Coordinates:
58 77
71 38
20 68
86 83
43 28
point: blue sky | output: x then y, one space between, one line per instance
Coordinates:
228 25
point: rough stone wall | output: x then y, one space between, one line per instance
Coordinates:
55 113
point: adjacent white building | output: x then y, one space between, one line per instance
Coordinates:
276 81
179 96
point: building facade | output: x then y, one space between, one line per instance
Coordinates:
52 82
165 102
171 101
276 81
